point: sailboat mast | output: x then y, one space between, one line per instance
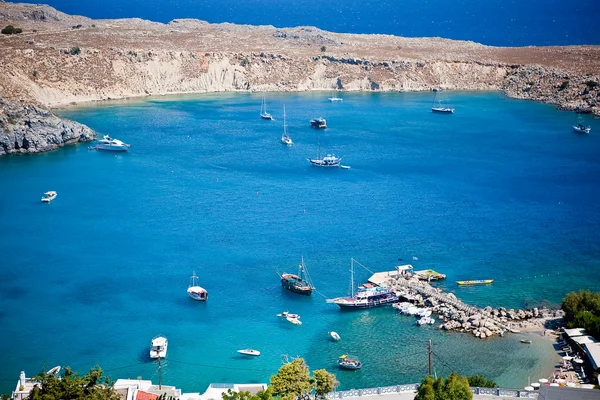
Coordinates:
284 124
352 277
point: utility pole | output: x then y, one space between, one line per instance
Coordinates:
430 363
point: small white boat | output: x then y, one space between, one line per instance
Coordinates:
159 347
263 111
440 108
334 335
54 371
49 196
334 98
249 352
110 144
580 128
196 292
426 320
295 321
286 314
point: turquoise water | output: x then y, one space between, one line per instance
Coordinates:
500 190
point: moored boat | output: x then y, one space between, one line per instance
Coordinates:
110 144
249 352
349 362
298 283
159 347
334 335
285 137
49 196
319 123
439 108
367 296
526 341
263 111
54 371
580 128
196 292
476 282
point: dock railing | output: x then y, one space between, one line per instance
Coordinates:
414 387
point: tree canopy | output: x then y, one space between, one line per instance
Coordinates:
481 381
71 386
582 310
292 380
454 387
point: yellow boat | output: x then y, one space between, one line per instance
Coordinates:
477 282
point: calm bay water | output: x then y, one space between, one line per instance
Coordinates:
493 22
500 190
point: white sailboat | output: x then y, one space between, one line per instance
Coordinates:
580 127
263 110
285 138
439 108
334 98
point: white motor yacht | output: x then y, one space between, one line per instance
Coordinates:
249 352
111 144
49 196
159 347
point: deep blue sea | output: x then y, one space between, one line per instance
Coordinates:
503 189
493 22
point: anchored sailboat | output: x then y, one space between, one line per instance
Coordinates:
300 283
285 138
263 110
439 108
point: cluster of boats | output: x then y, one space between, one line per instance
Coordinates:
424 314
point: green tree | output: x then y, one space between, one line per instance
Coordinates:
292 380
323 49
325 382
426 391
92 386
582 310
10 30
262 395
453 387
481 381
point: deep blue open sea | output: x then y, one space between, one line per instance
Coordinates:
492 22
503 189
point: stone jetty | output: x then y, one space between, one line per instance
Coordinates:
459 316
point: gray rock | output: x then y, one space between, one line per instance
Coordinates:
33 129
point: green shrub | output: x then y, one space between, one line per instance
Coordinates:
74 51
591 84
323 49
564 85
244 62
10 30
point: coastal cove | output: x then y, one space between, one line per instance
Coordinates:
502 189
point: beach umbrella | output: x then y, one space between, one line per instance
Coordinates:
571 384
535 385
543 380
554 384
529 388
567 358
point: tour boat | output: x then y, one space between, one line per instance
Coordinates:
580 128
249 352
349 362
196 292
367 296
263 111
159 347
285 138
111 144
476 282
439 108
334 335
328 161
319 123
300 283
49 196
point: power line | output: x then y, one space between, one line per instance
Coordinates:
219 366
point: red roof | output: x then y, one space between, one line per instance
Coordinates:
141 395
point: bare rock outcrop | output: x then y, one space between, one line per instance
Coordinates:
34 129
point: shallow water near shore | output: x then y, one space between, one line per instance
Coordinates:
500 190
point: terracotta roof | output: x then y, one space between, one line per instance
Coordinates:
141 395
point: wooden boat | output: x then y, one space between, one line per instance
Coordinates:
349 362
249 352
49 196
300 283
476 282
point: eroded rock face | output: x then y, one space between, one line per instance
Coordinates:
33 129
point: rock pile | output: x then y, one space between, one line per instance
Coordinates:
458 316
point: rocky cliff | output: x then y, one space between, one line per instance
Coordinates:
61 59
31 129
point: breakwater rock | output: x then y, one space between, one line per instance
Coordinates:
480 322
34 129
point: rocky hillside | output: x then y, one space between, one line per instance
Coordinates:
61 59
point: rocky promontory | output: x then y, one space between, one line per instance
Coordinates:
60 59
33 129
